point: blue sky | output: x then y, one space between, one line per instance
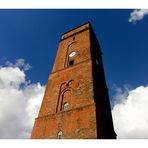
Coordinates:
34 34
30 38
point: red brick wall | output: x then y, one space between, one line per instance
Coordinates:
76 124
81 88
81 44
74 85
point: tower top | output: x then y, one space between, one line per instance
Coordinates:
76 30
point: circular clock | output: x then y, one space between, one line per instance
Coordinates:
72 54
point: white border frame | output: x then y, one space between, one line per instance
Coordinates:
81 4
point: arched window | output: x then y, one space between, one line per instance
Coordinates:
66 105
71 58
60 135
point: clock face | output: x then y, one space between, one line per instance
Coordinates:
72 54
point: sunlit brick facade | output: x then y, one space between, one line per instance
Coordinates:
76 103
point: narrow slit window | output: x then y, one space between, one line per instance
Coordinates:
97 62
71 62
60 135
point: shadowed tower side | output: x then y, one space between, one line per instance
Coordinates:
76 102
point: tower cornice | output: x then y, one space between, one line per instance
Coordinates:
75 31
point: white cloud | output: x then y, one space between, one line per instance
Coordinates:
130 114
18 105
11 77
20 63
137 15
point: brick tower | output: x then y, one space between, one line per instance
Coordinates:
76 102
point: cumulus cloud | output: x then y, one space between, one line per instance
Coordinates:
19 63
137 15
130 112
19 100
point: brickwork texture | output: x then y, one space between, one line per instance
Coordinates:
76 102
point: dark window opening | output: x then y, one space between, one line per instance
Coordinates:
60 135
71 62
97 62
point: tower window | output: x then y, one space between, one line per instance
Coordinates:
71 62
66 105
60 135
97 62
